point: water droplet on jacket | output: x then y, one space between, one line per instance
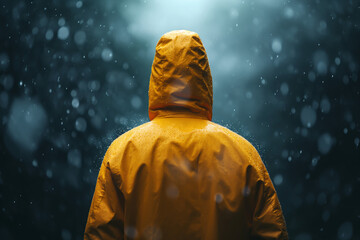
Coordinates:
172 191
219 198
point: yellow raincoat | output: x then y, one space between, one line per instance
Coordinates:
181 176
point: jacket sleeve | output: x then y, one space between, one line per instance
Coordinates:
106 214
268 220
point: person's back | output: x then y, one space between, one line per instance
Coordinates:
181 176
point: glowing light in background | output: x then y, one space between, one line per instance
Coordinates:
153 18
235 33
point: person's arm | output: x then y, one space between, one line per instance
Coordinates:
106 215
267 217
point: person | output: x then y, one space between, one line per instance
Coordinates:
181 176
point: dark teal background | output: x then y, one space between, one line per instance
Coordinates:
74 76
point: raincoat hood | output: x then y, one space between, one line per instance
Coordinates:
180 78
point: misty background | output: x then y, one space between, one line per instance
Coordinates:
74 76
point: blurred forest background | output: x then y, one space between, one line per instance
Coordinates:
74 75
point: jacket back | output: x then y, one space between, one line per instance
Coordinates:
181 176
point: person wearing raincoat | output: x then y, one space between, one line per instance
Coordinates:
181 176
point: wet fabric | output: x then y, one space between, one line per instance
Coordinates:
181 176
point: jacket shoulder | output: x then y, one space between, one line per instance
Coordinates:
119 144
130 133
242 145
237 138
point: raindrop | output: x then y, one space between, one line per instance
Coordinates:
128 82
276 45
80 124
94 85
289 12
219 198
49 173
284 153
325 105
136 102
315 105
308 116
131 231
337 61
80 37
325 143
304 132
7 81
4 61
91 112
311 76
74 157
248 95
314 161
321 62
345 231
35 30
321 67
34 163
63 33
125 66
90 21
278 179
246 191
66 234
284 88
26 123
106 54
61 22
123 121
356 142
79 4
234 13
75 103
73 93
